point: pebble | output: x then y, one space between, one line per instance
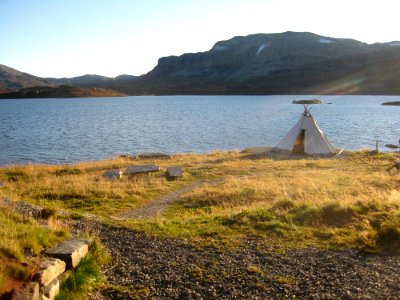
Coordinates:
161 263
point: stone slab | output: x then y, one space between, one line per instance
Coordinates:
174 172
49 270
112 174
139 169
153 155
71 251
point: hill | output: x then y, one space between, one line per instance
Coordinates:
280 63
11 80
63 91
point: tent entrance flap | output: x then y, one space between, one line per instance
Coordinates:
298 147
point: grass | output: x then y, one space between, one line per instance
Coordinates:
87 275
352 202
16 234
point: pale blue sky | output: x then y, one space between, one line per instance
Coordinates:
65 38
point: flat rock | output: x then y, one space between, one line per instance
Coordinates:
392 103
71 251
138 169
113 174
174 173
307 101
153 155
49 270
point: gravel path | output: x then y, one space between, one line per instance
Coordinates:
166 268
158 206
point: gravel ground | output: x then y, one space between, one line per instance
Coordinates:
166 268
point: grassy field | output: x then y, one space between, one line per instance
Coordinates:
349 202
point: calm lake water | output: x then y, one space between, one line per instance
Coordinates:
71 130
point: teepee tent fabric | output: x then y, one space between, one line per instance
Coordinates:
305 137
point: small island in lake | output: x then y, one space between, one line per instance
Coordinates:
63 91
310 101
393 103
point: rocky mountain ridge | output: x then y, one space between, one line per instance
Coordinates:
281 63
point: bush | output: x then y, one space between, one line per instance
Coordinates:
14 176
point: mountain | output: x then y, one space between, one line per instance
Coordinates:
282 63
85 80
63 91
11 80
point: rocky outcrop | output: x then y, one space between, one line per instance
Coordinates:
282 63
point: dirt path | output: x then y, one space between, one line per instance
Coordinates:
158 206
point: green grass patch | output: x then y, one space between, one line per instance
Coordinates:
87 275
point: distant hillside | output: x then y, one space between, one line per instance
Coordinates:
281 63
11 80
63 91
85 80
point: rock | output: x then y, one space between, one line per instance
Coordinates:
49 270
113 174
28 252
397 165
174 173
52 289
392 103
71 251
27 292
311 101
391 146
1 183
132 170
153 155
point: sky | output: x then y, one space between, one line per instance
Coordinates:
67 38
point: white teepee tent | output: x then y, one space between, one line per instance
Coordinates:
305 138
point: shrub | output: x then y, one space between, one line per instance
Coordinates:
14 176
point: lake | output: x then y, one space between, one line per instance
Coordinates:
71 130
